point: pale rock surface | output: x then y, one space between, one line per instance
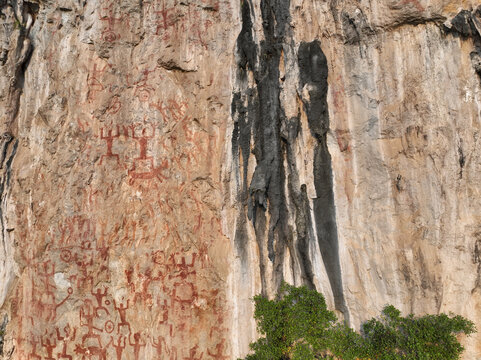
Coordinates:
163 161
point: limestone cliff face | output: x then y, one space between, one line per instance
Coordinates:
162 161
111 205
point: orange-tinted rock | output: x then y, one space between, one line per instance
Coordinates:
163 161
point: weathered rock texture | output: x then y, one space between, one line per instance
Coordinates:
112 242
163 161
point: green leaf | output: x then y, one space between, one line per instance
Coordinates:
298 325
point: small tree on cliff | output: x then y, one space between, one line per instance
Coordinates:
424 338
298 325
294 327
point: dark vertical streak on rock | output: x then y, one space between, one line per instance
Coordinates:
313 75
325 218
246 51
4 184
21 60
303 225
302 212
258 115
8 170
3 326
461 159
467 24
5 141
262 129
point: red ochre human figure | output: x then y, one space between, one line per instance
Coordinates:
35 304
178 110
204 257
142 89
166 20
99 295
146 280
119 348
87 313
173 353
171 110
65 339
122 309
193 354
108 33
219 354
94 82
62 228
161 108
109 138
159 346
114 106
46 272
151 172
163 312
136 345
103 256
49 346
128 274
219 327
33 355
83 278
90 350
182 269
45 302
86 228
184 294
143 140
145 77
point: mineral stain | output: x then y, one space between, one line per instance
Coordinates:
259 119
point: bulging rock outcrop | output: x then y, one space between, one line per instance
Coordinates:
163 161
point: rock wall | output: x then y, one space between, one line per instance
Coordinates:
112 231
163 161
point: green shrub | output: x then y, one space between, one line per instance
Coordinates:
424 338
298 325
294 327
